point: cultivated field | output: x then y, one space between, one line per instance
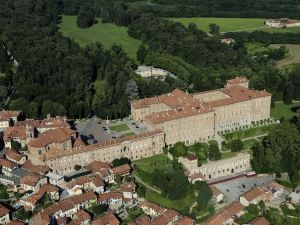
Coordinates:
106 33
232 24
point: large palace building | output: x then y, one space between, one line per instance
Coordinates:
177 116
198 117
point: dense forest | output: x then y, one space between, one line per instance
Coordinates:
54 75
222 8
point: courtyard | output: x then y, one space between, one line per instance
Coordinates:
96 130
233 189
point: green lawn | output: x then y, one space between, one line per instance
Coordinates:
119 128
292 58
106 33
127 134
249 143
253 48
226 155
282 110
233 24
165 202
226 24
255 131
157 162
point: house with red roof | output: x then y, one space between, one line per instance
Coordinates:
14 156
6 117
4 214
108 219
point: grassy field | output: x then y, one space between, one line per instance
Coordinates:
106 33
128 134
251 132
119 128
249 143
253 48
179 205
282 110
157 162
226 155
292 58
232 24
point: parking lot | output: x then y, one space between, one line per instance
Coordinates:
96 130
233 189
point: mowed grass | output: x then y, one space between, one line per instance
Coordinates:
179 205
106 33
225 24
293 56
233 24
282 110
149 165
119 128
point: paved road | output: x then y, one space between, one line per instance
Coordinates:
146 185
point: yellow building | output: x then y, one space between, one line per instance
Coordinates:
190 118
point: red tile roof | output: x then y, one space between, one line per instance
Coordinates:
13 154
3 210
259 221
109 195
57 135
158 209
49 188
46 123
253 194
108 219
15 222
7 163
35 168
121 169
238 80
103 144
7 115
30 180
96 166
14 132
185 221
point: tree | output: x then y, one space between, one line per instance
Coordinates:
236 145
204 194
77 167
141 191
23 215
179 149
141 53
3 192
118 179
19 104
120 162
85 18
288 93
253 209
214 29
32 111
279 151
294 176
3 91
178 185
15 145
214 151
97 210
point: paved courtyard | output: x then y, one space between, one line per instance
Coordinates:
100 129
233 189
